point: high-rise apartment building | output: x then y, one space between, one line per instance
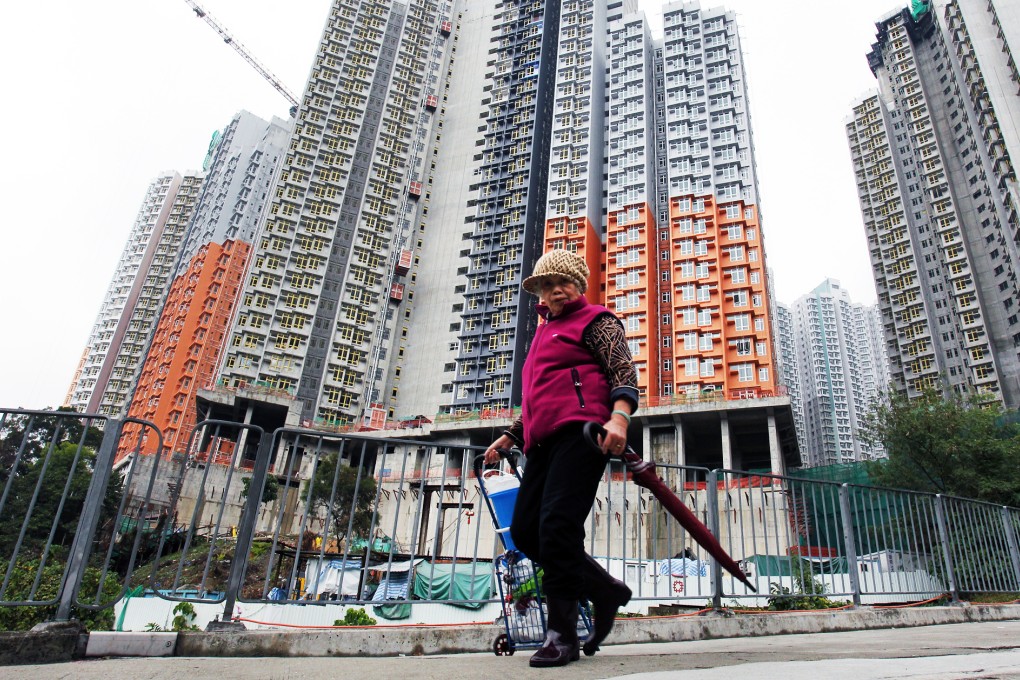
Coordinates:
932 150
787 365
837 371
119 339
685 265
189 335
440 147
327 298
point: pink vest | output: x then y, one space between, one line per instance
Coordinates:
562 381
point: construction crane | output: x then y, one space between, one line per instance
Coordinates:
239 48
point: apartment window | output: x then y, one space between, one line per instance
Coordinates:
705 342
763 374
691 366
704 317
745 372
707 368
741 322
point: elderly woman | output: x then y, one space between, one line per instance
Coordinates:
578 369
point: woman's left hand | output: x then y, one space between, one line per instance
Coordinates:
614 443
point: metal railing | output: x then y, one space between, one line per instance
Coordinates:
299 516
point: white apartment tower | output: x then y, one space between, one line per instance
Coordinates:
932 150
838 373
331 289
118 341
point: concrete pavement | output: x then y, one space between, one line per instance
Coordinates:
986 649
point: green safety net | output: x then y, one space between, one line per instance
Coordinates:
919 7
882 519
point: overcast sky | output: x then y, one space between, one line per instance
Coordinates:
103 96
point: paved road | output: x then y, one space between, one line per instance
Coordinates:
945 652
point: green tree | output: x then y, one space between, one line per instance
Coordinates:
270 491
353 501
31 435
58 481
949 445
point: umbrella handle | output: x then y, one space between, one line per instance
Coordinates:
592 431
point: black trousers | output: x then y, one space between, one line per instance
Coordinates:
561 477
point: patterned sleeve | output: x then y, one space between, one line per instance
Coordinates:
516 432
606 340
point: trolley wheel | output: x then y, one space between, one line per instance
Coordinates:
501 646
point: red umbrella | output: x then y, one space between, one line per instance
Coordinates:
643 472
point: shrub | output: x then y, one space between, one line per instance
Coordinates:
19 588
355 617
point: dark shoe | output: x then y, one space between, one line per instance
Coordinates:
555 652
605 603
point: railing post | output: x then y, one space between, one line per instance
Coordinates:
1011 538
81 546
712 504
246 530
849 541
947 556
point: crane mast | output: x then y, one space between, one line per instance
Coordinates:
240 49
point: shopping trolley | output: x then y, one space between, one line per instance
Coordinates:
519 578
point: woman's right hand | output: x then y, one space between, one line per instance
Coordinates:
492 453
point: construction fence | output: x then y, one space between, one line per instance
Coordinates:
298 526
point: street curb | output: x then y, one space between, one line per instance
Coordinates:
49 642
62 642
106 643
425 640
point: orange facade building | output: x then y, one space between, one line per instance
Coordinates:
187 345
692 295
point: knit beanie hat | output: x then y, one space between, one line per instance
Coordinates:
557 263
